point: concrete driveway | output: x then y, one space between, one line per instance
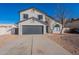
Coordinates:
33 45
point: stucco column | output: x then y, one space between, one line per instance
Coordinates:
63 30
44 29
20 29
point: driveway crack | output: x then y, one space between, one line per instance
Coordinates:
32 45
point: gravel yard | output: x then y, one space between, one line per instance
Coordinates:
6 38
68 41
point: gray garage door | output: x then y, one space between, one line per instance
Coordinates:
32 29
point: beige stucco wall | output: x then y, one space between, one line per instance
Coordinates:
31 13
75 24
52 23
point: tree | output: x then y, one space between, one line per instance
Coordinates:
61 14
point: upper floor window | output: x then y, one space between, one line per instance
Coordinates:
25 16
40 17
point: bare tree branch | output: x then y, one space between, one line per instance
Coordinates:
61 15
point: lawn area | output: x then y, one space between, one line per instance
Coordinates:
67 41
6 38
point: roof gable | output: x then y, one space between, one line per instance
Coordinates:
33 8
34 19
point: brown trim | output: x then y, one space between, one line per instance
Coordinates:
33 19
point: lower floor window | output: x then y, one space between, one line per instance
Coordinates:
57 28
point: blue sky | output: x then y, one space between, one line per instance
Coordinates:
9 12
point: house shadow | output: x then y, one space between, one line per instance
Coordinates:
73 31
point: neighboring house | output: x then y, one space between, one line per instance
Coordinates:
72 25
7 29
75 24
34 21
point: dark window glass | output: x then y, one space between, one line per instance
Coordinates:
57 27
40 17
25 16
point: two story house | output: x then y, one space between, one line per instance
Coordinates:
34 21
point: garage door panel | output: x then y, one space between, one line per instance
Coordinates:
32 29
